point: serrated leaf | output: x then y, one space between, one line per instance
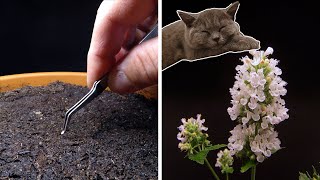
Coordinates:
215 147
199 157
247 166
303 176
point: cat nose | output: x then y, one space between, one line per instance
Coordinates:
216 38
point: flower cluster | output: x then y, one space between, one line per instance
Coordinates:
257 105
225 161
262 143
191 135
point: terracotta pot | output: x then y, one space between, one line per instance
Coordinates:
15 81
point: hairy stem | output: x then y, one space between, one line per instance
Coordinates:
253 172
211 169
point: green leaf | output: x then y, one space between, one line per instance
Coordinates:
199 157
247 166
215 147
303 176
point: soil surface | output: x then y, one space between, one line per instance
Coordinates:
113 137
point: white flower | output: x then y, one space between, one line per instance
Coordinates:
181 138
256 116
196 122
237 139
200 122
189 130
224 158
254 79
245 120
262 80
265 143
233 112
265 122
257 78
225 161
262 144
258 84
277 87
268 51
260 157
243 101
261 96
253 103
257 105
257 57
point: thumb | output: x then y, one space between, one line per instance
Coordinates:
138 70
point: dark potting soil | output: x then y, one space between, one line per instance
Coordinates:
113 137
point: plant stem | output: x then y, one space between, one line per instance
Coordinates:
211 169
227 176
253 172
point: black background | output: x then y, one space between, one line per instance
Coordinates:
55 35
39 36
292 29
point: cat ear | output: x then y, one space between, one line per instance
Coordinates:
187 18
232 9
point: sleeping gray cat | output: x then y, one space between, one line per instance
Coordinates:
208 33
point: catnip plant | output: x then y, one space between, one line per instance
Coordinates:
257 107
194 141
306 176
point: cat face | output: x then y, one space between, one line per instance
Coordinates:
211 28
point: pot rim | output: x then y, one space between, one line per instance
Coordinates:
14 81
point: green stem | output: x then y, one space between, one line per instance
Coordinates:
211 169
227 176
253 172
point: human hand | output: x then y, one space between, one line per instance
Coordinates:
120 24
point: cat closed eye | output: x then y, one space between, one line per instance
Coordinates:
207 32
221 28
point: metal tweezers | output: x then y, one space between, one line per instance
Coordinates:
99 86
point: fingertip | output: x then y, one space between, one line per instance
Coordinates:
90 76
89 81
97 67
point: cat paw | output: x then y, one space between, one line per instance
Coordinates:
254 44
248 43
